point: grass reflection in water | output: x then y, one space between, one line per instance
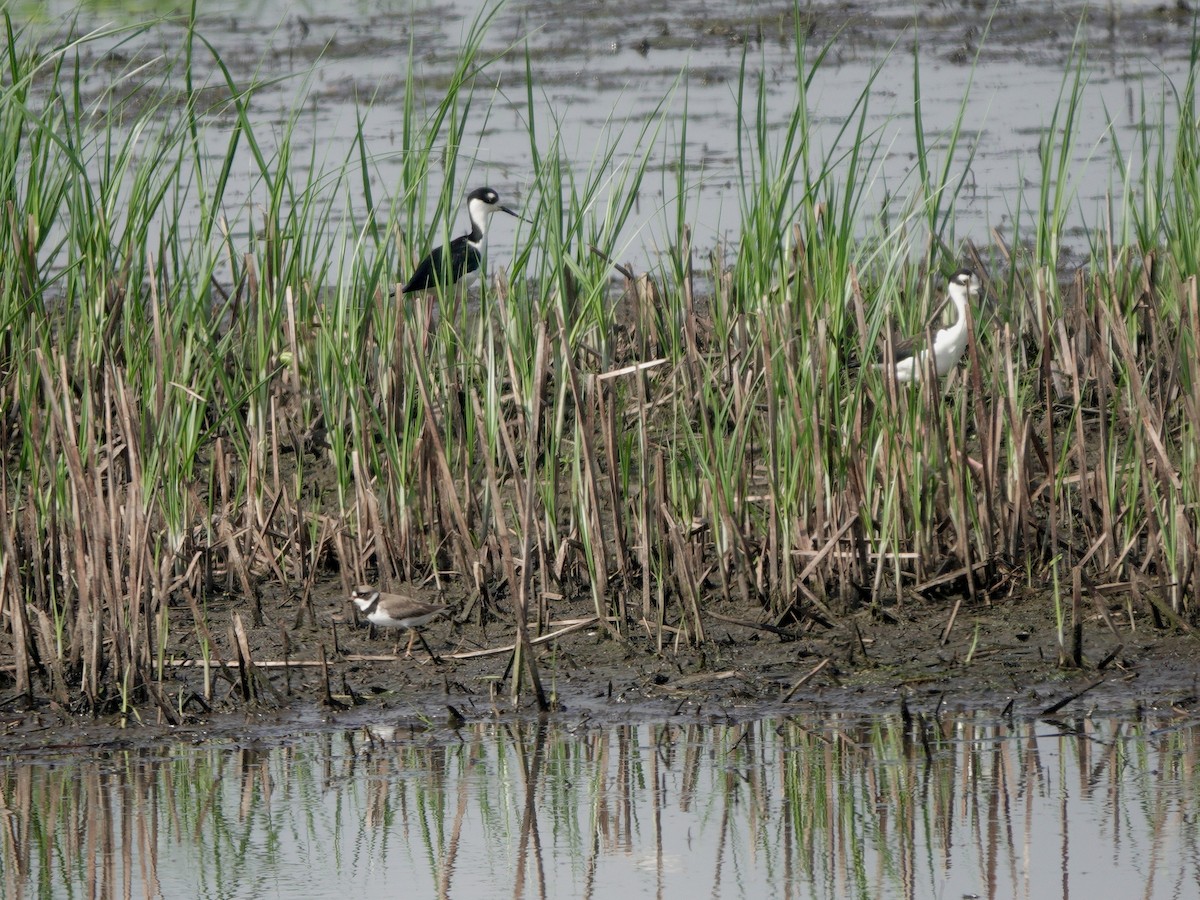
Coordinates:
845 807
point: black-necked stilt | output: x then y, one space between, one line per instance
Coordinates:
910 355
404 611
466 251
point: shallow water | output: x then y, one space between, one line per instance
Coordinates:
827 806
600 70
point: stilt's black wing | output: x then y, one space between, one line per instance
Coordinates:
903 348
463 260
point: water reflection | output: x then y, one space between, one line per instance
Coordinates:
782 808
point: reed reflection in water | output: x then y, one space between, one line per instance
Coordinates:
783 808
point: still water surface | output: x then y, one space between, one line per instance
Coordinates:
807 806
584 78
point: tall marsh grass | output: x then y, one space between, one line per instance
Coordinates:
202 416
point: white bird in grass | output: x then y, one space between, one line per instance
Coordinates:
910 355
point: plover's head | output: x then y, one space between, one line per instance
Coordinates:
363 597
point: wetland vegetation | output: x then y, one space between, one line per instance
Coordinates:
211 430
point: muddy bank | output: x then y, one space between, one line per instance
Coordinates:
994 654
1001 658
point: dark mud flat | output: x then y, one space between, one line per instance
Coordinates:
1001 659
995 654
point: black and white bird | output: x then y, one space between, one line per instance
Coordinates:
910 355
465 252
404 611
